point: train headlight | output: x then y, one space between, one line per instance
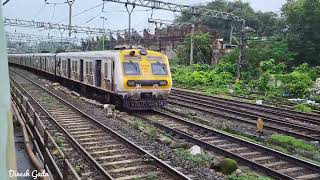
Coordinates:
131 83
143 52
163 83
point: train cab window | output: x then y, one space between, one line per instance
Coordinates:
131 68
159 69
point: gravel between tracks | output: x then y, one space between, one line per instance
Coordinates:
160 150
221 123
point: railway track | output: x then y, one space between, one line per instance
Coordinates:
310 118
307 129
273 163
112 155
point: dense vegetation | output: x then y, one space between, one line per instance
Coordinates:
282 65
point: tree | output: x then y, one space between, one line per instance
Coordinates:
265 24
303 21
202 49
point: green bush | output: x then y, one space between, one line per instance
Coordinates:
302 108
201 75
227 166
296 83
291 142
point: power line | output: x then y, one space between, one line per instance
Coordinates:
84 11
4 3
39 11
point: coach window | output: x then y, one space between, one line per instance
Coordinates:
64 64
87 68
90 68
75 66
106 70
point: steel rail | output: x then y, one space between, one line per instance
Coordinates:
311 117
161 164
199 127
89 157
232 118
310 132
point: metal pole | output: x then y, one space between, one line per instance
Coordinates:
231 34
70 3
191 44
7 150
103 18
129 12
103 36
241 54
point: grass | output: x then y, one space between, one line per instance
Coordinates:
152 132
247 177
302 108
138 124
59 141
199 159
47 99
291 143
149 130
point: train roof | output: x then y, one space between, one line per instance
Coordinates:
88 53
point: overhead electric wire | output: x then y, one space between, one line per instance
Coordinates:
39 11
4 3
54 10
92 18
83 12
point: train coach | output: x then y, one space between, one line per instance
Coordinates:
134 79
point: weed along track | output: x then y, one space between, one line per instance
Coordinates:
285 123
271 162
112 155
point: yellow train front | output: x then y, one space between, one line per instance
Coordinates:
142 78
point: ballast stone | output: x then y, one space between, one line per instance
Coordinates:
108 109
194 150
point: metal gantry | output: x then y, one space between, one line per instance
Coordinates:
48 25
154 4
237 21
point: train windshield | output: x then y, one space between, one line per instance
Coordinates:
159 69
131 68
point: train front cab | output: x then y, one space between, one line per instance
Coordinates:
146 82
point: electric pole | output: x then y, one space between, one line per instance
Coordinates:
231 34
130 12
103 18
70 3
191 44
241 54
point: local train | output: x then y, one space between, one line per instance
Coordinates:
135 79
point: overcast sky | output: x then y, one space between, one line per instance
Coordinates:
115 13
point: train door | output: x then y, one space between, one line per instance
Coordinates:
40 67
81 70
45 64
108 71
97 74
69 68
